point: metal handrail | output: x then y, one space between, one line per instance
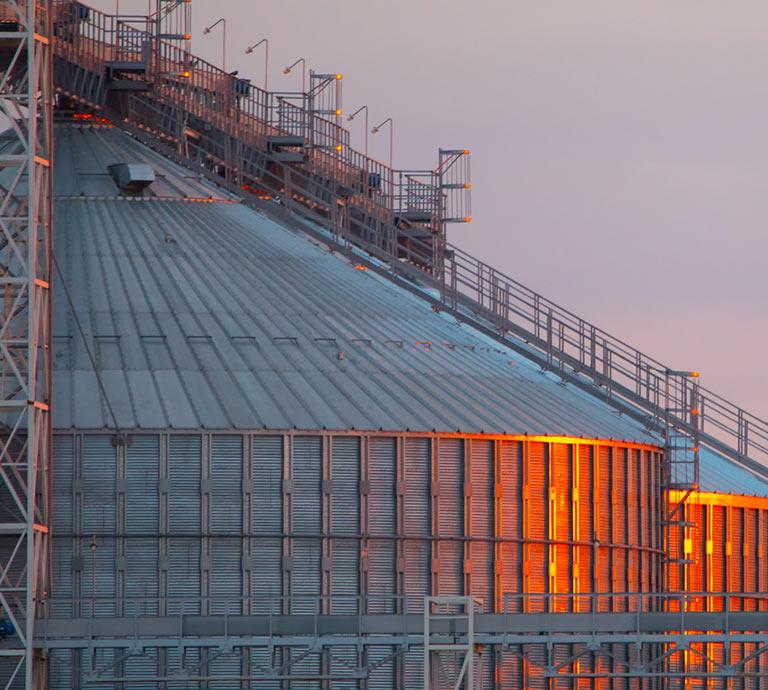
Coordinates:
569 341
511 602
244 110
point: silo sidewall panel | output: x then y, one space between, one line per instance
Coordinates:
266 523
185 524
306 522
382 525
451 516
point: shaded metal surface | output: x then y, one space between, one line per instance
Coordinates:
209 315
719 473
200 524
86 152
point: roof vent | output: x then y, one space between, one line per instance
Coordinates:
132 178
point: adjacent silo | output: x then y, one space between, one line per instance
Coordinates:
296 434
721 547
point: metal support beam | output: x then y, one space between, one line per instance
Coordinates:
26 157
460 612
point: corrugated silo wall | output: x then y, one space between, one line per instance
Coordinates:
722 547
208 522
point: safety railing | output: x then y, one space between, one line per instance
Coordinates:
241 109
372 604
570 342
18 13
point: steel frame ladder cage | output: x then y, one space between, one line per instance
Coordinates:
26 101
449 660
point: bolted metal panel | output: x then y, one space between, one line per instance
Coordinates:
185 467
511 525
450 517
142 462
266 522
412 670
417 520
185 524
61 674
633 522
227 664
191 657
225 575
342 663
510 668
306 524
345 522
381 556
142 515
717 538
535 563
184 584
306 477
98 582
560 526
585 500
98 471
226 519
62 503
604 506
142 665
619 489
382 677
305 575
482 521
226 482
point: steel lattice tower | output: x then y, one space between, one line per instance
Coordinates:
26 104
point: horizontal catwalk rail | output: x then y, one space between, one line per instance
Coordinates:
657 644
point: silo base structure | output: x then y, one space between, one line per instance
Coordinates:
349 524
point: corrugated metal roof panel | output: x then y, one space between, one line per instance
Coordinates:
85 152
212 316
720 475
239 323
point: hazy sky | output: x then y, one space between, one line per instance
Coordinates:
620 157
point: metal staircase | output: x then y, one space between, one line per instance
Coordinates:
292 146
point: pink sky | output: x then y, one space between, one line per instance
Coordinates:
620 163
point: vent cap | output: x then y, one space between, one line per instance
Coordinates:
132 178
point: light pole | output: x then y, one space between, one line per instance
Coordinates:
210 28
249 50
376 129
352 117
303 62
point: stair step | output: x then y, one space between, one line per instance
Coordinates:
127 85
285 140
133 66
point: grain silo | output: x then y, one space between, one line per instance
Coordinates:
285 412
303 432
